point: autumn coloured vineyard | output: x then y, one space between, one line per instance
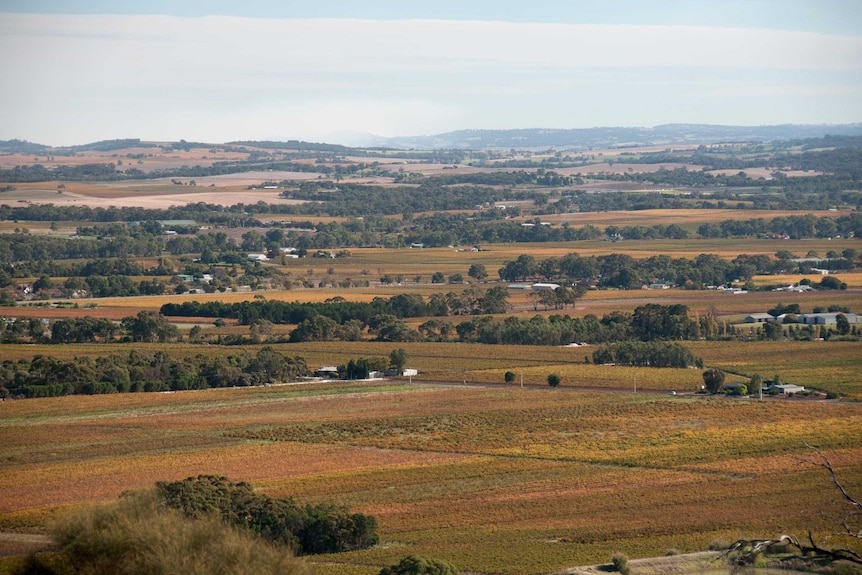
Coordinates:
499 480
148 335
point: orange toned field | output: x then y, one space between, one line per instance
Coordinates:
509 481
687 218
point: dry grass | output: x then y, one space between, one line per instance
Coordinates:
688 218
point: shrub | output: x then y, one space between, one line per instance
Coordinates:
139 536
411 565
718 545
620 563
509 376
554 380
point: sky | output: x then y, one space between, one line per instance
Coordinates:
79 71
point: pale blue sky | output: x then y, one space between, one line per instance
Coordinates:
76 72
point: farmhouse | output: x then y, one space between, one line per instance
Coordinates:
786 388
795 288
327 371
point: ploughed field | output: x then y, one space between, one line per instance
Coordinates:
494 479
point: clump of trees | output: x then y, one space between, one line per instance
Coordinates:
647 354
470 301
307 529
650 322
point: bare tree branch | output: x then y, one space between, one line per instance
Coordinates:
748 548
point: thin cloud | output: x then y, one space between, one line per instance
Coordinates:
79 76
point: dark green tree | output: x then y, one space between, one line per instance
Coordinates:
478 272
755 384
398 359
149 327
554 380
713 379
773 330
842 324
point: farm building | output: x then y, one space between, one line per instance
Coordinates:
758 318
257 257
786 388
827 318
535 286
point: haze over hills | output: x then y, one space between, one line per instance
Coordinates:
572 139
605 137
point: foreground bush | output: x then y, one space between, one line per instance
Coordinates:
620 563
138 536
310 529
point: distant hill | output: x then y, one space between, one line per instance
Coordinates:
594 138
25 147
21 147
570 139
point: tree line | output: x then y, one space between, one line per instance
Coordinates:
470 301
136 371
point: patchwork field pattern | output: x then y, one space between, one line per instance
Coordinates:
497 480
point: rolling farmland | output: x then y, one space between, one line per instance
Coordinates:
456 463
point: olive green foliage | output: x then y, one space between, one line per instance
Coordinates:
46 375
773 330
713 379
755 384
139 536
398 359
646 353
620 563
411 565
310 529
741 389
